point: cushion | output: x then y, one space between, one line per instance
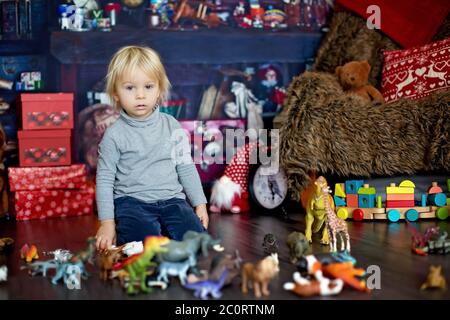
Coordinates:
415 73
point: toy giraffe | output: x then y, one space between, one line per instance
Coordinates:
334 224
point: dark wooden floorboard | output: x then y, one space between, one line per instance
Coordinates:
373 243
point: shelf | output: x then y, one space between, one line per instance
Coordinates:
213 46
20 47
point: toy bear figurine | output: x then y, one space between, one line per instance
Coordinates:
354 76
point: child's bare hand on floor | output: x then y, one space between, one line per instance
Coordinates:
106 235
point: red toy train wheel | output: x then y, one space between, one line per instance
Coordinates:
358 214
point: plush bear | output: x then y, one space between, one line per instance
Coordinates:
353 77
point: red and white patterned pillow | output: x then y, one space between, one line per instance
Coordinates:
416 72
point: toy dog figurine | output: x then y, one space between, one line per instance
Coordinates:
435 279
297 244
260 274
307 288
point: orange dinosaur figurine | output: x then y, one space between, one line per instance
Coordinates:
29 253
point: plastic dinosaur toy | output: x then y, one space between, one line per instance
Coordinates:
441 245
208 287
29 253
137 265
316 211
179 269
307 288
86 255
41 267
270 244
70 272
435 279
419 241
107 260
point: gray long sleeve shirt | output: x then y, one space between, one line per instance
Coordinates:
147 159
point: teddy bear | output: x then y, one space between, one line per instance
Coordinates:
354 76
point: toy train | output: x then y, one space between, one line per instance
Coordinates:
356 200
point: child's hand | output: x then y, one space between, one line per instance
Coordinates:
202 213
106 235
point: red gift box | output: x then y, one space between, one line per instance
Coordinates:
47 178
43 111
42 148
46 204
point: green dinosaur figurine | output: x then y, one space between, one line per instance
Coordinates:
137 265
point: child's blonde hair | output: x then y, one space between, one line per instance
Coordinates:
127 59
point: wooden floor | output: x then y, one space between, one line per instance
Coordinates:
373 243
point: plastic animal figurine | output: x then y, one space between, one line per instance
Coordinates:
435 279
179 269
208 287
29 253
88 254
345 271
270 244
70 272
3 273
5 244
335 225
106 261
259 275
420 242
187 249
225 262
297 244
316 211
441 245
137 265
307 288
42 267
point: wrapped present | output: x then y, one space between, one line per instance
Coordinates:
46 204
43 111
42 148
47 178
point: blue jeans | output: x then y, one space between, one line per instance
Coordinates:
136 219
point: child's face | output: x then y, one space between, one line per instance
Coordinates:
137 94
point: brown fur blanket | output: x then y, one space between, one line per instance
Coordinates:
330 132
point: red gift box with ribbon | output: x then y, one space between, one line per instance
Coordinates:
44 148
44 111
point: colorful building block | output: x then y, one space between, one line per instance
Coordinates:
424 200
396 197
339 202
400 204
407 184
442 213
339 190
366 200
365 189
352 200
392 189
352 186
342 213
434 188
379 201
